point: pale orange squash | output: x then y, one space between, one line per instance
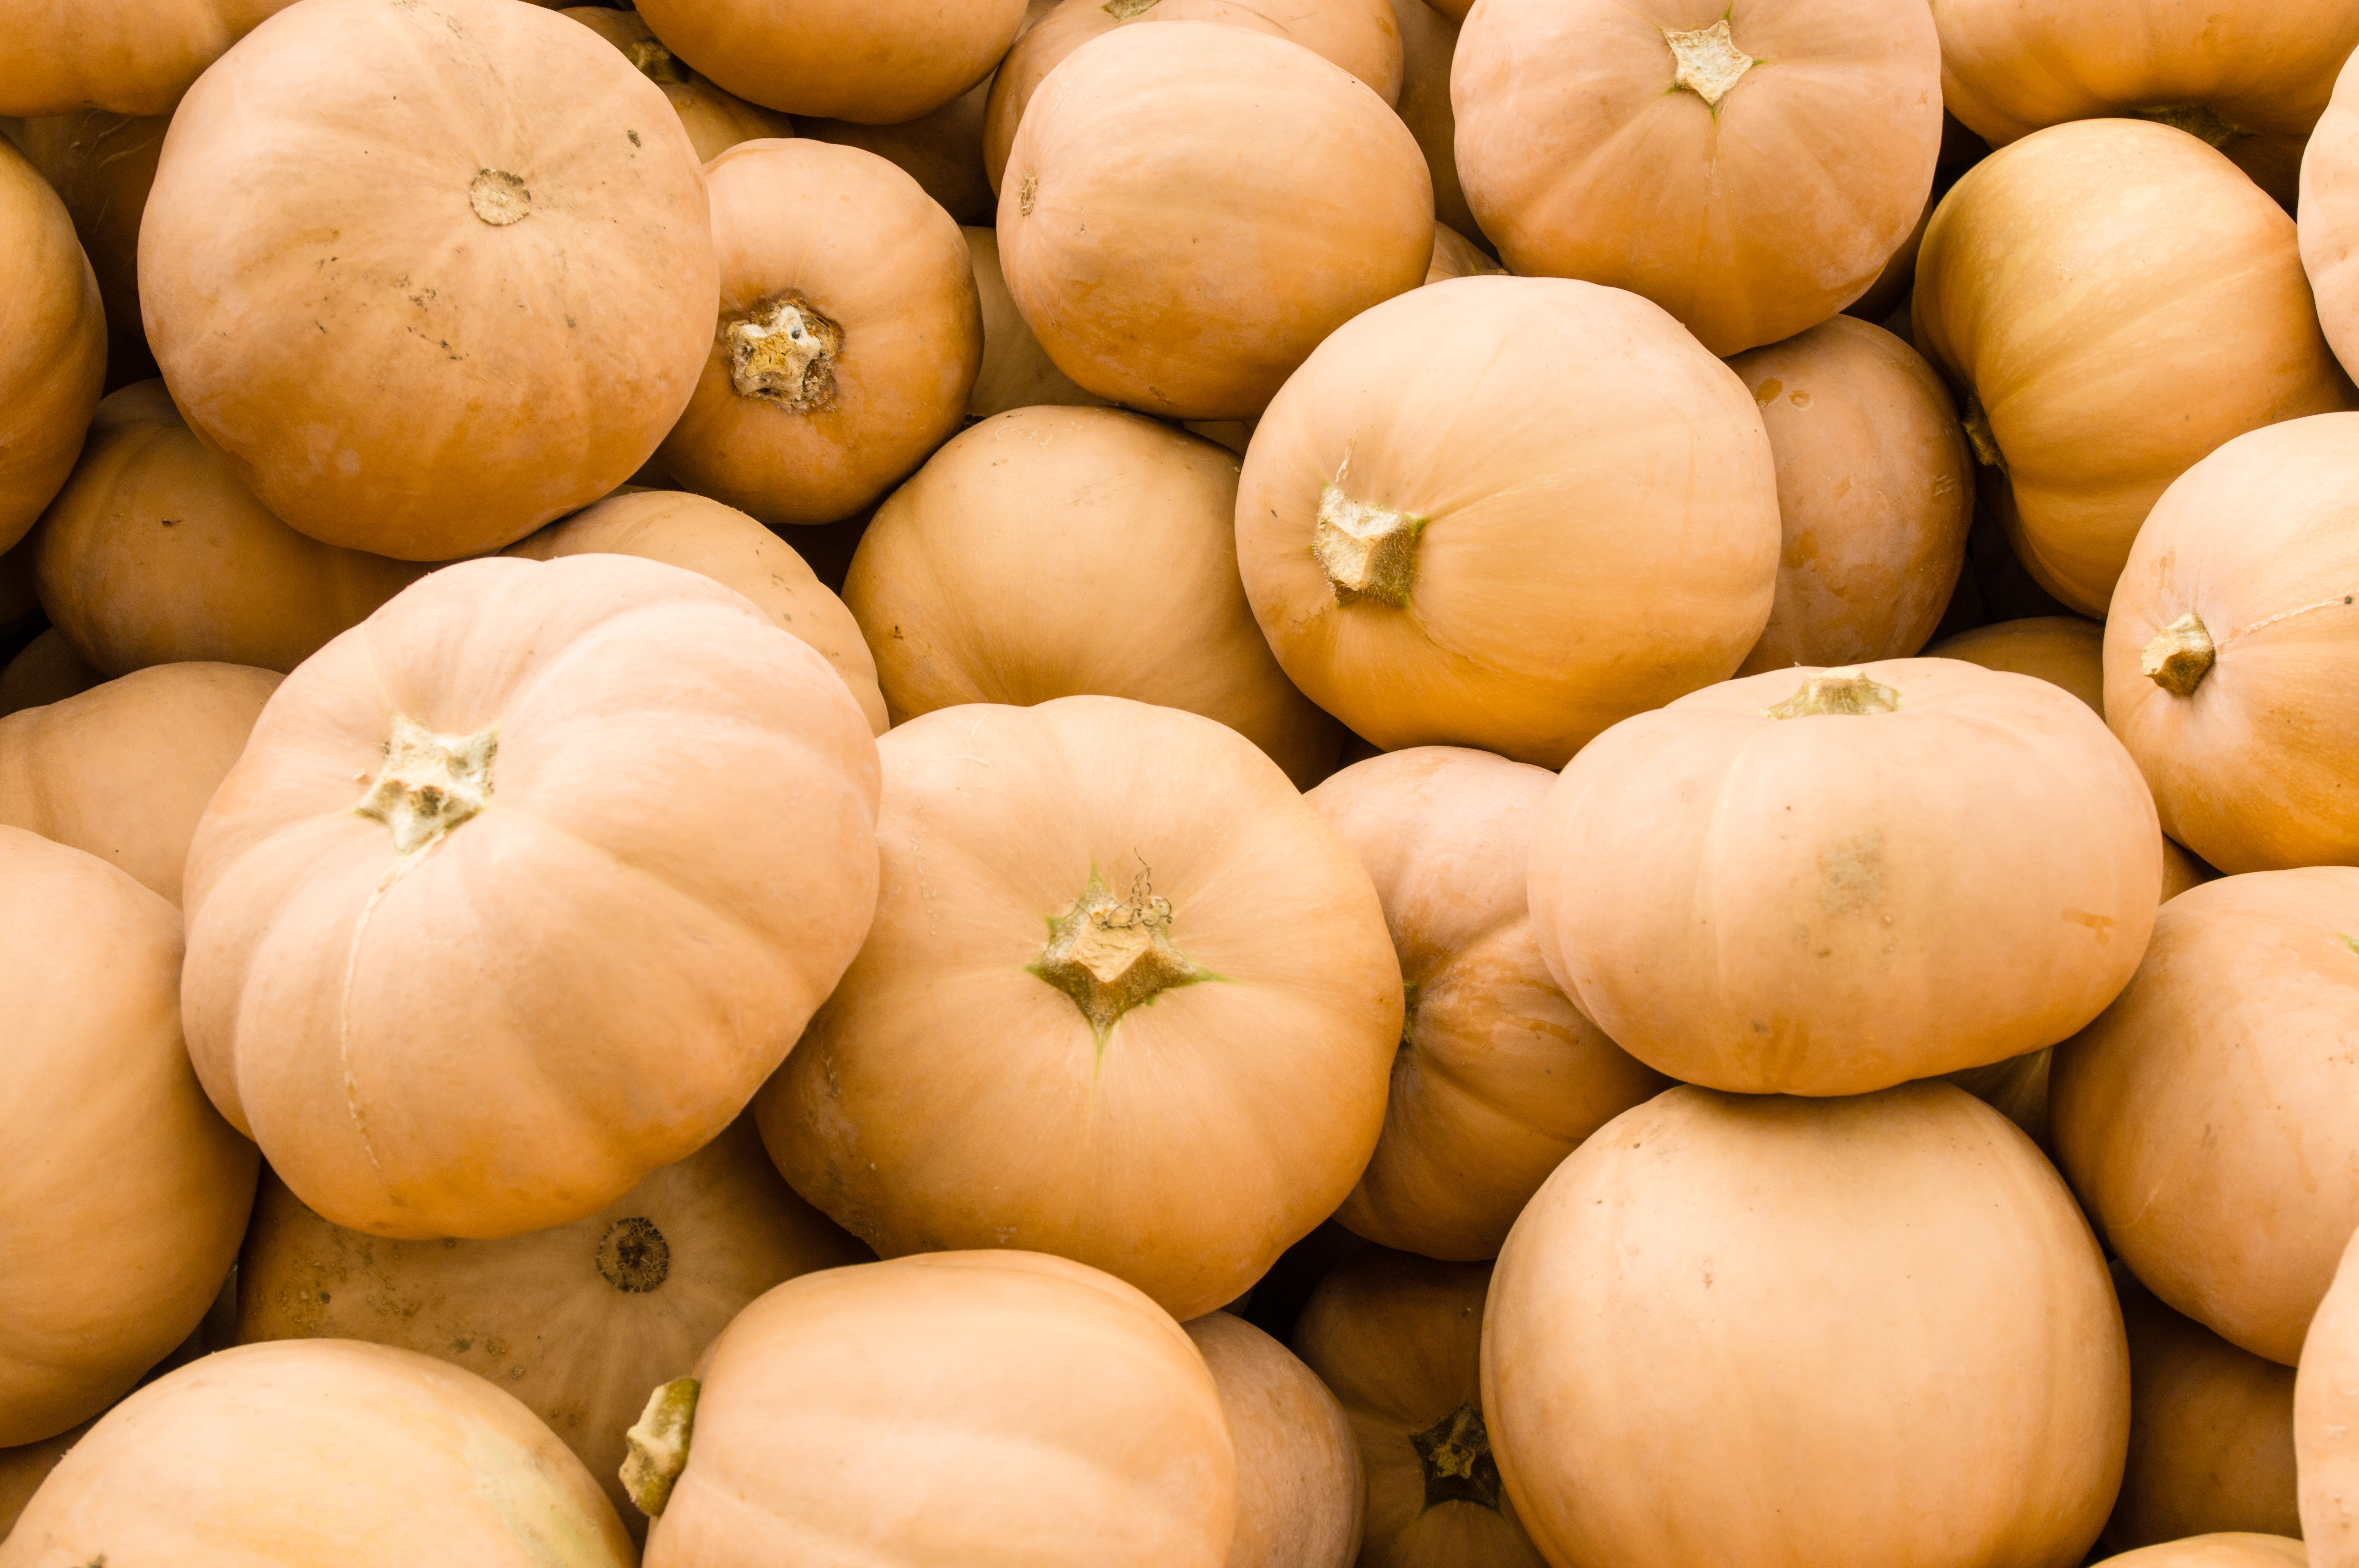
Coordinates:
1299 1487
53 353
133 57
2326 1420
1428 43
2232 1550
2329 215
44 670
715 120
1455 255
101 165
877 61
1016 373
2062 650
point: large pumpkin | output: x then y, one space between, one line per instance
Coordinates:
1299 1487
2210 1120
101 166
133 57
1505 513
2326 1420
1499 1075
1931 1359
521 888
1635 142
472 212
1827 882
1016 373
53 353
715 120
1287 199
1135 524
2112 299
1084 1058
877 61
995 1410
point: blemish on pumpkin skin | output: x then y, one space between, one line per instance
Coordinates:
1854 873
2102 925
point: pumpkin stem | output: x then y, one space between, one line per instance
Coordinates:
785 351
2180 657
658 1450
1123 10
1366 551
1111 954
499 197
1455 1453
2199 120
1979 434
1709 63
634 1257
1837 691
431 784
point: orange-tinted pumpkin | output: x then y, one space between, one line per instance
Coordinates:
2326 1420
1428 44
133 57
101 166
1299 1487
1016 373
715 120
2232 1550
877 61
941 151
44 670
2329 216
53 352
2062 650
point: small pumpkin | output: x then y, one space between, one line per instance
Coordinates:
101 165
715 120
1016 373
53 357
2068 651
881 62
1299 1489
2325 1421
1455 255
132 57
44 670
1428 45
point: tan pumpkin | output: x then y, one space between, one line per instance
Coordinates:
701 535
2329 209
2233 1549
848 337
1455 255
310 1452
100 1278
133 57
44 670
1287 199
2206 1120
2326 1423
1428 43
1299 1487
1048 1416
1137 522
2187 321
715 120
1505 513
2232 650
1499 1075
53 354
682 793
156 553
101 165
1398 1340
1016 373
879 63
1932 1359
2068 651
519 260
1875 491
1633 144
1144 903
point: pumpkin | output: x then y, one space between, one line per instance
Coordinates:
1015 372
44 670
880 64
2329 230
1428 43
133 57
156 553
2206 1121
681 794
997 1409
307 1451
23 1469
2230 1550
1499 1075
2185 321
1505 513
1932 1362
848 337
2233 647
1144 904
1399 1339
1875 492
2062 650
1830 881
2325 1434
1300 1489
1634 145
1287 199
723 543
941 151
1143 602
1455 255
53 356
100 1277
101 165
519 261
715 120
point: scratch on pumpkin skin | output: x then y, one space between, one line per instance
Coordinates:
344 1019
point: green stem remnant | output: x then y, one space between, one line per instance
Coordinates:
1456 1454
1837 691
1979 435
658 1445
1110 954
2180 657
429 784
1709 63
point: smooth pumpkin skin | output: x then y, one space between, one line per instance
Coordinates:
715 120
52 344
872 253
998 1408
2256 768
1455 255
1397 1338
1749 219
1286 199
133 57
156 553
1135 523
682 795
1428 46
702 536
101 165
101 1277
320 1450
1875 491
2227 1550
1301 1492
948 1096
2062 650
1017 372
2329 212
881 62
44 670
2181 319
1834 902
537 360
1601 510
2205 1118
1499 1075
2325 1434
1933 1363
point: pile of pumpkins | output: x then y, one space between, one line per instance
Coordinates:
1179 784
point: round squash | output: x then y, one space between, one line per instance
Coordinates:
1455 255
1286 199
1827 882
1398 1340
2330 214
44 670
133 57
1016 373
877 61
2068 651
53 355
1299 1489
1505 513
1750 166
2187 321
521 888
2326 1420
311 1452
472 212
1499 1075
100 1278
1875 491
156 553
2232 650
715 120
1048 1416
101 165
1135 522
848 337
2233 1549
1428 45
2207 1119
1143 905
1931 1361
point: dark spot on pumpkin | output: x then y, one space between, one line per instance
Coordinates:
323 1298
170 522
635 137
634 1257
